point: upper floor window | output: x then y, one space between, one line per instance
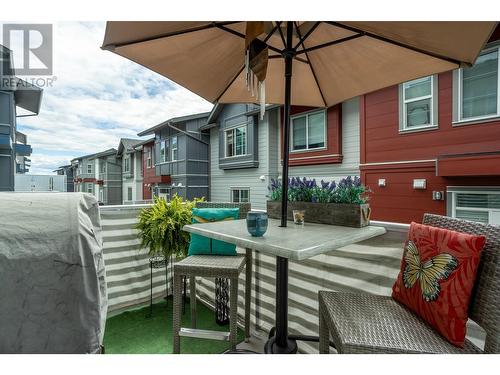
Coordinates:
478 87
308 131
126 164
148 158
236 141
240 195
163 151
418 104
89 168
103 167
174 149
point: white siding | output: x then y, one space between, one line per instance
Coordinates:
221 181
350 149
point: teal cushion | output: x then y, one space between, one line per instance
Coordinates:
201 245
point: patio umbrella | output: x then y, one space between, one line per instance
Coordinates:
321 63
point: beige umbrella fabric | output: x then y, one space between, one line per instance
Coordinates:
337 60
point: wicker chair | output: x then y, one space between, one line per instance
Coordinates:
364 323
228 267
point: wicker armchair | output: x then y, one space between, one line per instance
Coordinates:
223 267
364 323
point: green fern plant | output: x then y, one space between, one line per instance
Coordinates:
160 227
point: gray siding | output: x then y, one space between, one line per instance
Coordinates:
350 149
221 181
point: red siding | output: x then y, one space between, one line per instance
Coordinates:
333 152
148 173
381 143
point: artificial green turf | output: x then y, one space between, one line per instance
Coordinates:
131 333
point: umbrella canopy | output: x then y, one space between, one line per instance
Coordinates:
320 63
334 61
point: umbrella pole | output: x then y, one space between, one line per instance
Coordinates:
288 56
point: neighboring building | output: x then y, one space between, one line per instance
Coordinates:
17 98
180 157
433 144
130 154
245 151
99 174
26 182
67 170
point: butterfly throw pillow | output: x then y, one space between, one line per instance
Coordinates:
437 274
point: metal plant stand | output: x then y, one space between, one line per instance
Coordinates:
221 301
155 262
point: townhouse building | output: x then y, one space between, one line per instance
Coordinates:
67 170
433 144
180 156
245 151
130 155
149 178
99 174
17 98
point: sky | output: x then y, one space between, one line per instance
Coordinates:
97 98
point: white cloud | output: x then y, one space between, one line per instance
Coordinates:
98 98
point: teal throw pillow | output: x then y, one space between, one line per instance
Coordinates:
201 245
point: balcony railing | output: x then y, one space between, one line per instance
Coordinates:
366 267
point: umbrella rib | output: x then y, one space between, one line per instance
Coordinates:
230 31
394 42
306 35
167 35
328 44
309 61
281 33
230 83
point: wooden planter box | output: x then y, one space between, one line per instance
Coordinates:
349 215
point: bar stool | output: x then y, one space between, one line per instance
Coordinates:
219 267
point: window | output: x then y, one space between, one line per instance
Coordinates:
89 188
89 168
103 167
478 87
475 205
165 193
101 195
163 151
418 103
174 148
129 194
148 158
240 195
126 164
236 141
308 131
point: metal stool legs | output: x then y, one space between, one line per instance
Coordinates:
177 312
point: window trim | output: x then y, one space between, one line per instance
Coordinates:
458 91
125 159
239 189
91 168
233 129
434 98
89 185
164 157
325 133
174 149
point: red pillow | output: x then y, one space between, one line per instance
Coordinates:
437 274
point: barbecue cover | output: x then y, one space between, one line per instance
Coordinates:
52 281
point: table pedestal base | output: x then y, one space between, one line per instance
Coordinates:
271 347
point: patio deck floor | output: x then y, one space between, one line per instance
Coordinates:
132 333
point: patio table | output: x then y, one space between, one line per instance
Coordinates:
295 242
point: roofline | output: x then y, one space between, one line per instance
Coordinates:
173 120
109 151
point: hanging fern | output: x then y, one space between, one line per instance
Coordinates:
160 226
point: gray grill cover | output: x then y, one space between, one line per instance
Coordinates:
52 280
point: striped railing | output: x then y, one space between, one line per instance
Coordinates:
370 266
